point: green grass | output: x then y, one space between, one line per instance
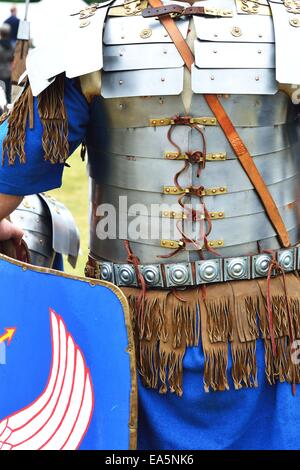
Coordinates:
74 194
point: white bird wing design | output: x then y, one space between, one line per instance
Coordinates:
61 415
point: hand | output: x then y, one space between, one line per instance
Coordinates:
10 231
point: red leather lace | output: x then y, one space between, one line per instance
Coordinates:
192 158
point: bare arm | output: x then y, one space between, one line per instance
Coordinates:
7 205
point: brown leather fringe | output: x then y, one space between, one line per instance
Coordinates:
232 317
53 116
14 142
163 330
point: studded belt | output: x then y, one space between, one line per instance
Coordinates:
193 274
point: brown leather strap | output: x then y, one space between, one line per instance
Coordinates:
175 35
229 130
176 11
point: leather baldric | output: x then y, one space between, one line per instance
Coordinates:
229 130
176 11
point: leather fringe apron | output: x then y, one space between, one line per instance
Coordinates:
223 316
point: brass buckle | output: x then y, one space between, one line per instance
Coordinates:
132 7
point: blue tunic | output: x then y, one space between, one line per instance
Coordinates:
263 418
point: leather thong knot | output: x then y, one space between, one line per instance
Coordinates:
195 157
197 191
182 120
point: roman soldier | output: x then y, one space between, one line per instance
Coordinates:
189 114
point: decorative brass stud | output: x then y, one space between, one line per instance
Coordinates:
84 23
295 22
216 243
171 244
146 33
236 32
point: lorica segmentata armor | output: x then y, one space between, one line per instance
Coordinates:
167 149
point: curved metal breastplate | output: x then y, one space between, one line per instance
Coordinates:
147 147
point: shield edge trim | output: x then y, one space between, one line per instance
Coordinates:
133 422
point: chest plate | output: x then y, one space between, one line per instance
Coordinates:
144 85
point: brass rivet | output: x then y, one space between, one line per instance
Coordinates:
154 122
236 31
146 33
167 190
213 215
295 22
214 191
84 24
162 121
222 190
220 243
221 214
172 244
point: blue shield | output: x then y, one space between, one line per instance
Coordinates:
67 366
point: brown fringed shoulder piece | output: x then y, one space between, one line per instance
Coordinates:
230 317
53 115
14 142
52 112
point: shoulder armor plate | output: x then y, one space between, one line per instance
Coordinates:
76 49
49 228
65 234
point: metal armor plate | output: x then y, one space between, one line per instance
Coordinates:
49 228
144 86
235 57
